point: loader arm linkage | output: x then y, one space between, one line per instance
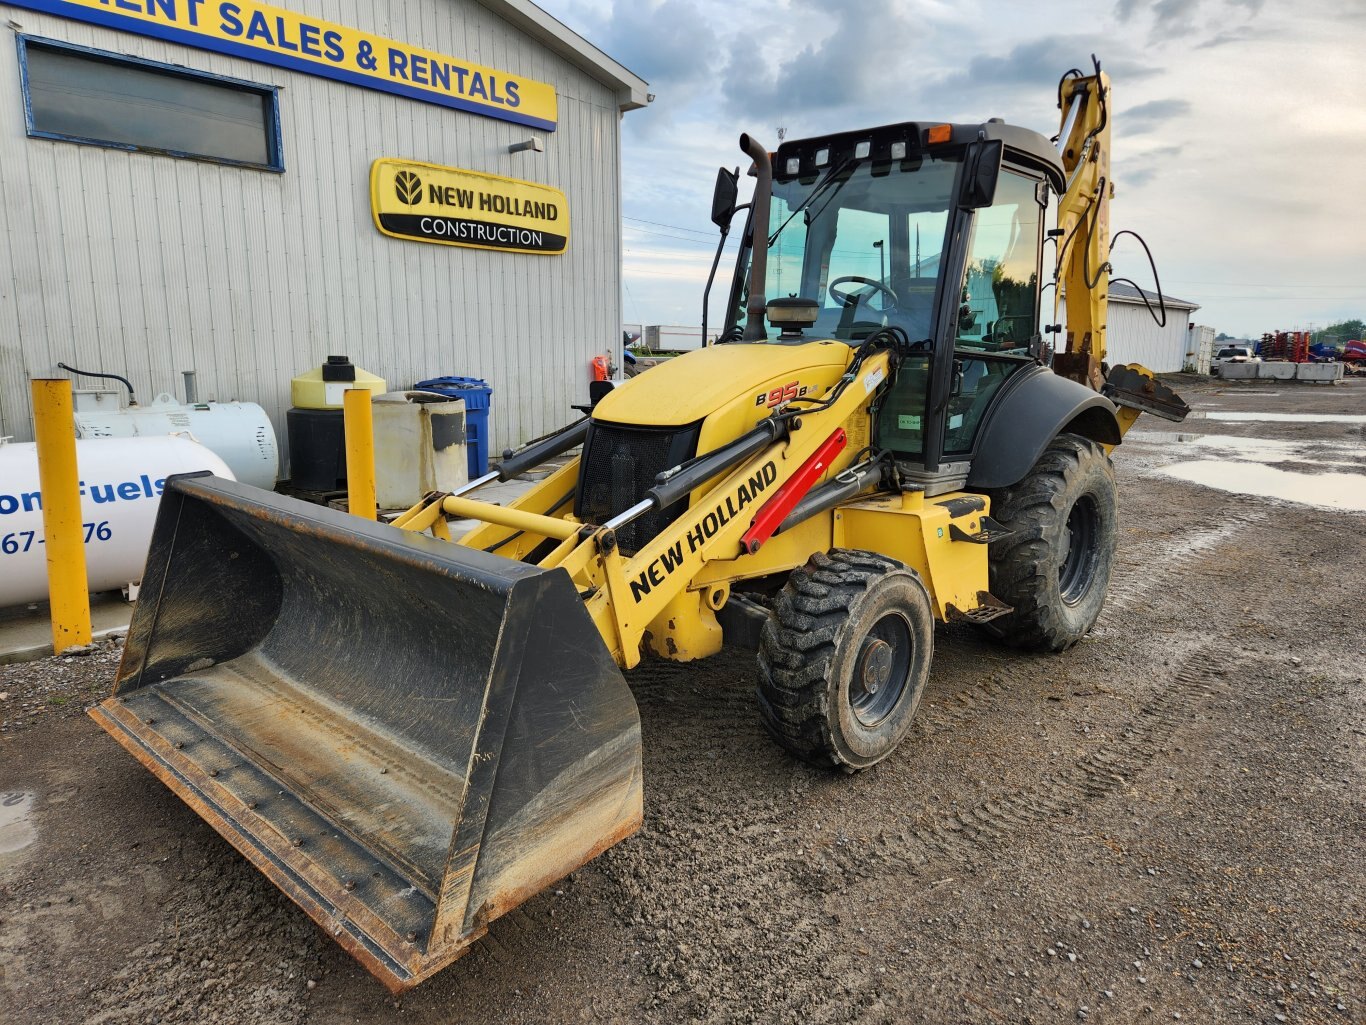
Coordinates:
625 594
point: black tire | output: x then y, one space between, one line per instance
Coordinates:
844 659
1054 569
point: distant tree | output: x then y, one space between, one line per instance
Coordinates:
1344 330
1222 337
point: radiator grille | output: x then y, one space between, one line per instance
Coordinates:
619 466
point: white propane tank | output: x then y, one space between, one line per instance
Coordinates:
238 432
121 483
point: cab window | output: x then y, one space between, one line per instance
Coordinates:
998 312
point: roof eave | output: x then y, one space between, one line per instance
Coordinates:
1171 304
631 90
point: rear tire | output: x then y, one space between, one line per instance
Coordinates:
844 660
1054 569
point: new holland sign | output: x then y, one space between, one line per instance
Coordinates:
430 203
273 35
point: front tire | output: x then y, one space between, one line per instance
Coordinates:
844 660
1054 568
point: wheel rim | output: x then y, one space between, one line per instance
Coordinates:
1077 570
881 669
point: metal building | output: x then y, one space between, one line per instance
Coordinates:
187 184
1132 334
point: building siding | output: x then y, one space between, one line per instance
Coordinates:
1132 336
146 265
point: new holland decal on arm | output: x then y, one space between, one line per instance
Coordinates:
697 536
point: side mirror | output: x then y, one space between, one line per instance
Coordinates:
981 170
724 197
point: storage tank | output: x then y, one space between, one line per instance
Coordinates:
239 433
317 438
121 480
419 446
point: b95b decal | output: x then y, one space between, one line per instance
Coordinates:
778 396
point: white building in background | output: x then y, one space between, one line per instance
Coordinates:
193 185
1132 334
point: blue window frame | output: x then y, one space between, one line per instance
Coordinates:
76 94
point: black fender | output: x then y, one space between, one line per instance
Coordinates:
1035 406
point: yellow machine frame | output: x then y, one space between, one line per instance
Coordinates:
665 597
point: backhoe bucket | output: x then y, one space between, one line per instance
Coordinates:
408 737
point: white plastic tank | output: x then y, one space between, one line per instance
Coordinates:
238 432
419 446
121 483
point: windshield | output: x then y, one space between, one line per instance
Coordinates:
865 242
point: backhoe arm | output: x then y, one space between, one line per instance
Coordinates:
1083 268
1084 222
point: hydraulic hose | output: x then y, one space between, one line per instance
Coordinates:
132 401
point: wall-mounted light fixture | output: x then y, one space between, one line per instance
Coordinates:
531 144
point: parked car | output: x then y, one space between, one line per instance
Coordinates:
1232 354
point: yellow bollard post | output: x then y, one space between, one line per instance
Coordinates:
360 452
59 482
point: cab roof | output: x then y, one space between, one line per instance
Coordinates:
1023 146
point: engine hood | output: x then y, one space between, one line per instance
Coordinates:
698 384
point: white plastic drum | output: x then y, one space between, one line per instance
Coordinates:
121 484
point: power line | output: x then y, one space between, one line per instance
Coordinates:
661 224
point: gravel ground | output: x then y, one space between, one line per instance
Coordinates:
1164 823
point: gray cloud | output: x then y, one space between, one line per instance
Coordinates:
1010 85
1241 34
646 38
1184 18
1174 15
1141 170
850 66
1147 116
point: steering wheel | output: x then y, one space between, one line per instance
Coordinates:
855 296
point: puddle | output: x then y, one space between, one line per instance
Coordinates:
16 828
1284 418
1326 490
1260 450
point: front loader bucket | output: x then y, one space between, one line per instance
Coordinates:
408 737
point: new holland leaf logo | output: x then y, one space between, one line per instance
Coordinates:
409 187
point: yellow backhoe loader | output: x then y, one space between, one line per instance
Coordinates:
411 735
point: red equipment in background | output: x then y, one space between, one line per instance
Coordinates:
1291 346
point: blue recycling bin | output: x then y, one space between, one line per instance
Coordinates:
478 398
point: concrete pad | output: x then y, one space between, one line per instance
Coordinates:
26 631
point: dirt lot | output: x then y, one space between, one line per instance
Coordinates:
1164 823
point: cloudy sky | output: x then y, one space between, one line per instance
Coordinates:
1240 126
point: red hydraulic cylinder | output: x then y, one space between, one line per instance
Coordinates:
772 513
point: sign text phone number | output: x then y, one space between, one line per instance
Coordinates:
23 540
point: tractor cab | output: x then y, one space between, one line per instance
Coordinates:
931 235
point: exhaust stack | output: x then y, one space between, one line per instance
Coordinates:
756 310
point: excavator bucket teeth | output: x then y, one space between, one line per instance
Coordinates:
408 737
